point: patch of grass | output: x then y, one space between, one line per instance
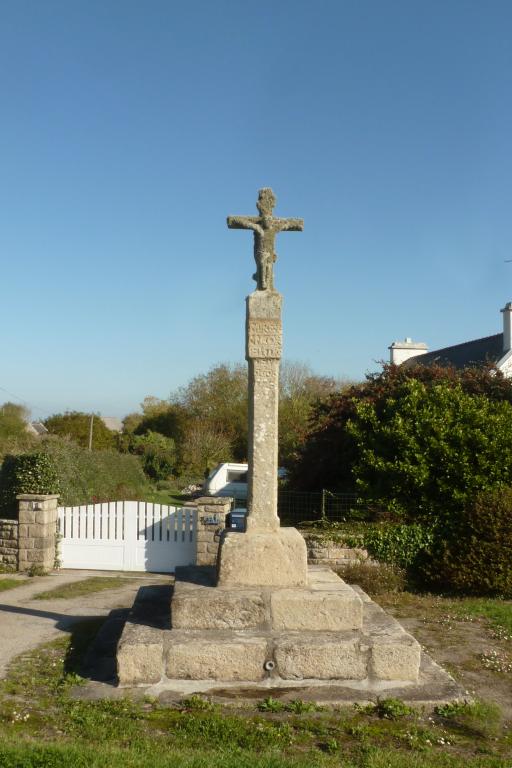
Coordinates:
52 667
299 706
478 718
84 587
497 612
62 755
10 584
36 570
172 497
43 726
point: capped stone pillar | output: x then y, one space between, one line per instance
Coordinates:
37 530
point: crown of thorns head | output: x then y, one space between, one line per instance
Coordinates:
266 201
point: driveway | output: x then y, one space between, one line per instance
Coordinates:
26 623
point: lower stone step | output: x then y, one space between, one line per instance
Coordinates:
349 655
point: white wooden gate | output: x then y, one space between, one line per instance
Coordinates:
127 536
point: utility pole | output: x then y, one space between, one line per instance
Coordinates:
90 431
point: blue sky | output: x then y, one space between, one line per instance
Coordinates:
130 130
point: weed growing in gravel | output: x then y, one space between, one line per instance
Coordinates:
271 705
390 709
198 703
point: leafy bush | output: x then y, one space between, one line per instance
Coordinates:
426 451
374 578
399 545
28 473
83 476
157 453
472 554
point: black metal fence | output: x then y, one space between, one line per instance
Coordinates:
295 507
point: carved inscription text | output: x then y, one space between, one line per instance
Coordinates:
264 338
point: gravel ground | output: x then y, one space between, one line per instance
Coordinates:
25 622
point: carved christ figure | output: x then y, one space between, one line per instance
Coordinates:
265 228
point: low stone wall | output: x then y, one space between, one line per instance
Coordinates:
9 543
329 552
211 521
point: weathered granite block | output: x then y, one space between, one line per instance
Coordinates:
324 610
196 656
195 607
140 655
396 659
339 656
275 558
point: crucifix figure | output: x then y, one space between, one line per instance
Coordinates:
265 228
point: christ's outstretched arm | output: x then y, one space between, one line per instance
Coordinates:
244 222
291 225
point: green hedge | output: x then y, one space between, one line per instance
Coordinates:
26 473
78 475
474 554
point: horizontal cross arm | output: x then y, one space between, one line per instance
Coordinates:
291 225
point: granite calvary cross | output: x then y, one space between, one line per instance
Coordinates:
265 228
267 554
262 618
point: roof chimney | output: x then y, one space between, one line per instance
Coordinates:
400 351
507 327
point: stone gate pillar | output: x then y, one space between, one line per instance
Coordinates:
211 521
37 530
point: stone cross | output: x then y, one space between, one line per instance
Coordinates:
265 228
266 554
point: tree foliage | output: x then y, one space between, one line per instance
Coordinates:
75 425
216 404
92 476
14 438
157 452
208 418
203 448
299 390
330 450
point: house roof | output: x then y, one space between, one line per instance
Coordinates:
112 423
470 353
36 428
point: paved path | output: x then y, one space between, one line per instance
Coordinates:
26 623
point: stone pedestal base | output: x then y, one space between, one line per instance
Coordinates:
273 559
324 631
